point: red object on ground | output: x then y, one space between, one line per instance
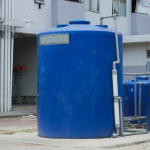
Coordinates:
20 68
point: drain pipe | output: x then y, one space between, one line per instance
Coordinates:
114 78
2 60
6 57
135 99
12 50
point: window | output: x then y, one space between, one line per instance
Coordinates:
40 1
148 53
133 5
80 1
119 7
92 5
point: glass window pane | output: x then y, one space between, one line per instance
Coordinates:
95 5
123 8
87 4
116 7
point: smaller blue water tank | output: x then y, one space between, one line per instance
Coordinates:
128 89
148 107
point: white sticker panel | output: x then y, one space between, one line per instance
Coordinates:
53 39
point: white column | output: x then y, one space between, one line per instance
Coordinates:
12 51
2 61
6 65
8 57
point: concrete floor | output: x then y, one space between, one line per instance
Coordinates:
23 107
20 110
18 113
29 141
21 134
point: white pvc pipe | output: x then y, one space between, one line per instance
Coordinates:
2 61
6 55
115 84
12 51
114 77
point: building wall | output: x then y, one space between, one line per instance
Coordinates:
135 58
53 12
68 11
37 20
140 24
124 23
25 54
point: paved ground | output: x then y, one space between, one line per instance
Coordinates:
18 113
23 107
21 134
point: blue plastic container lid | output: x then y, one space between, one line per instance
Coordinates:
62 25
79 21
142 77
103 26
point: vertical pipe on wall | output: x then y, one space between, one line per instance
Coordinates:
8 56
2 60
12 51
6 51
140 90
135 99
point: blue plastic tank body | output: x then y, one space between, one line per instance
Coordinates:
148 108
128 88
75 92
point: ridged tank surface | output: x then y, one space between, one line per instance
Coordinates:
128 88
75 92
148 108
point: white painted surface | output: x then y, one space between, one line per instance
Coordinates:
68 11
123 23
25 54
34 20
37 20
134 54
54 39
136 38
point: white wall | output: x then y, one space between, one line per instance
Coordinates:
134 54
68 11
53 12
135 58
37 20
124 23
25 54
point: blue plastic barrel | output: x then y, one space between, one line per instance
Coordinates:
75 92
148 108
128 89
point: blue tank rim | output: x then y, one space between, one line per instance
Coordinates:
62 25
103 26
142 77
79 21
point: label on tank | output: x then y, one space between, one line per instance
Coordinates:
53 39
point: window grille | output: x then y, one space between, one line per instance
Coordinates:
148 53
80 1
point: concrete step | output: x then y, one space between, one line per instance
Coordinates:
23 107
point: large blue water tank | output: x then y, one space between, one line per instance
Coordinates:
75 92
128 89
